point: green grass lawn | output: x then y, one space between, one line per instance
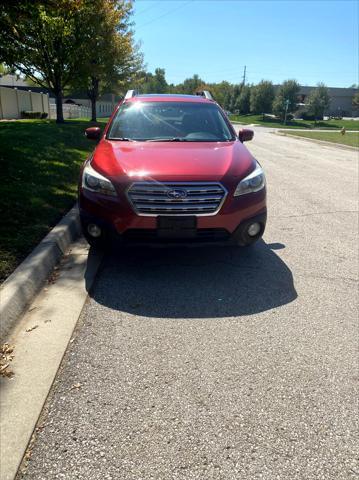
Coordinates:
271 122
39 163
351 139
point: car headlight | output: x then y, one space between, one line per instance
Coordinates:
95 182
253 182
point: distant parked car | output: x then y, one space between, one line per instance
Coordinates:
170 168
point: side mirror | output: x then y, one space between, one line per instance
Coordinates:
245 135
93 133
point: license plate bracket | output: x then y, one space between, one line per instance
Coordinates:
176 227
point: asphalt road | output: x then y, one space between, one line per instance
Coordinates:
219 363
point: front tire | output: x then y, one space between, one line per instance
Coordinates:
98 243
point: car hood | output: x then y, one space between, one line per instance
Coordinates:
172 161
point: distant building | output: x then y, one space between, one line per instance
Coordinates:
341 100
12 81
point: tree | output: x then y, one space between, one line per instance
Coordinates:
234 97
243 100
355 100
140 80
4 70
109 56
286 98
222 92
261 97
57 43
190 85
43 41
159 82
318 101
147 82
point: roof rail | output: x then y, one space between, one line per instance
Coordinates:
130 94
206 94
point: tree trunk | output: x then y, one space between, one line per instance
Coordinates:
93 110
93 96
59 110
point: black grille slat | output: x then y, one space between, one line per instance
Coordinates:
152 198
164 200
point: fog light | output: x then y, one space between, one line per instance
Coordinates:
93 230
254 229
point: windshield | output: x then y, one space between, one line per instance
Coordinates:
170 121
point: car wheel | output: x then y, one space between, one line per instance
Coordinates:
248 242
98 243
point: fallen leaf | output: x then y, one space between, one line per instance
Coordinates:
30 329
6 349
6 357
76 386
53 277
27 456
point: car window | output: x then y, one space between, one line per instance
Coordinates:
181 121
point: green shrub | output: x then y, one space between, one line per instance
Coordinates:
310 116
30 114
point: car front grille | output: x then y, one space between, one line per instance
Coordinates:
177 198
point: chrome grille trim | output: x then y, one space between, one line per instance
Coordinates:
202 198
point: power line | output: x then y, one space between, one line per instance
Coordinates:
146 9
167 13
235 72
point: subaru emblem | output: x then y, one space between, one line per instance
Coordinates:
177 194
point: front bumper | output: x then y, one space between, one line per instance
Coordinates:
118 221
118 214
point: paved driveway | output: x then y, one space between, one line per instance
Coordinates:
220 363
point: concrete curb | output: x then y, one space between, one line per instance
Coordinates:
38 355
315 140
25 282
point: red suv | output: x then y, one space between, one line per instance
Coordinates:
170 168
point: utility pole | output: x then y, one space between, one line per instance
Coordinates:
244 76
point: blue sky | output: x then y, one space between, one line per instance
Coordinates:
308 40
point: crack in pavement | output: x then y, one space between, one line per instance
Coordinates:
316 213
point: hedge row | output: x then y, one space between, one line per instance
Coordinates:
31 114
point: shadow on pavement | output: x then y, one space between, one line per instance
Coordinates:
193 282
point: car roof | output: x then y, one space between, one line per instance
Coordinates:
168 97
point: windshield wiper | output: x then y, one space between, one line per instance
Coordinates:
173 139
122 139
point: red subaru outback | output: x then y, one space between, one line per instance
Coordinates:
170 168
